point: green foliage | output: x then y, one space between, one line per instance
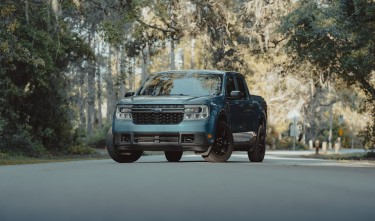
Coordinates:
219 21
114 21
3 155
337 37
80 150
287 144
34 54
272 136
368 135
98 139
23 142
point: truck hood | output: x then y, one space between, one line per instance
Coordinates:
166 100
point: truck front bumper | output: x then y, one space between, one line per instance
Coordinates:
186 136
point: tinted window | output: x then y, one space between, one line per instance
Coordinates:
230 86
242 87
193 84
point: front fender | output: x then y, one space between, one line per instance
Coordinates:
219 111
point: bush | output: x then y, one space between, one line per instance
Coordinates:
22 142
368 135
287 144
272 136
3 155
98 139
80 150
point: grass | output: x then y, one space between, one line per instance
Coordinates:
8 159
345 157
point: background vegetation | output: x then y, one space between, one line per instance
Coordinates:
65 63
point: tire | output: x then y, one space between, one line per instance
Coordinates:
123 156
223 146
173 156
259 150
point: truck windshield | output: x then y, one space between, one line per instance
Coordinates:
189 84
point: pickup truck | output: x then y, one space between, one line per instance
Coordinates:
209 112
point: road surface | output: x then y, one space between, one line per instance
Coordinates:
284 187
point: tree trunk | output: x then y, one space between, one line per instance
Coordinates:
90 101
173 56
144 72
111 97
99 95
91 89
55 5
27 11
182 57
81 100
145 61
192 58
122 77
99 89
133 74
148 58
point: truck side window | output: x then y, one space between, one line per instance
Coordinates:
242 87
230 85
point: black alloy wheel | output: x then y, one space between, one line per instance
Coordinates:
120 156
259 150
223 144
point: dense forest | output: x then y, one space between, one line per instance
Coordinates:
65 63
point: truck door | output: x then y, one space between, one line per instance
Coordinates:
241 110
249 112
234 105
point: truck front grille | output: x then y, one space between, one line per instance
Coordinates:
157 118
158 114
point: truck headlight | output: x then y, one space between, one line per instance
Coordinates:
124 112
196 112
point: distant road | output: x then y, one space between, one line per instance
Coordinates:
284 187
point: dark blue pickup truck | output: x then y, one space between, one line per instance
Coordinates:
209 112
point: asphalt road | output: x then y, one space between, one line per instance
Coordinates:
284 187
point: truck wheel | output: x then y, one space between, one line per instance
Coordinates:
123 156
259 150
173 156
223 145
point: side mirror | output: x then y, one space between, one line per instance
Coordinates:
236 94
129 94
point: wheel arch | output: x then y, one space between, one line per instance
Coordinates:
262 119
221 115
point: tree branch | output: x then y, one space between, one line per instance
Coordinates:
155 27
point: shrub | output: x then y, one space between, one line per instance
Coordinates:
80 150
98 139
21 142
287 144
272 136
3 155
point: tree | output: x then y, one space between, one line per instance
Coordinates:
337 37
34 54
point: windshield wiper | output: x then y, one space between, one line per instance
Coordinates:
178 95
